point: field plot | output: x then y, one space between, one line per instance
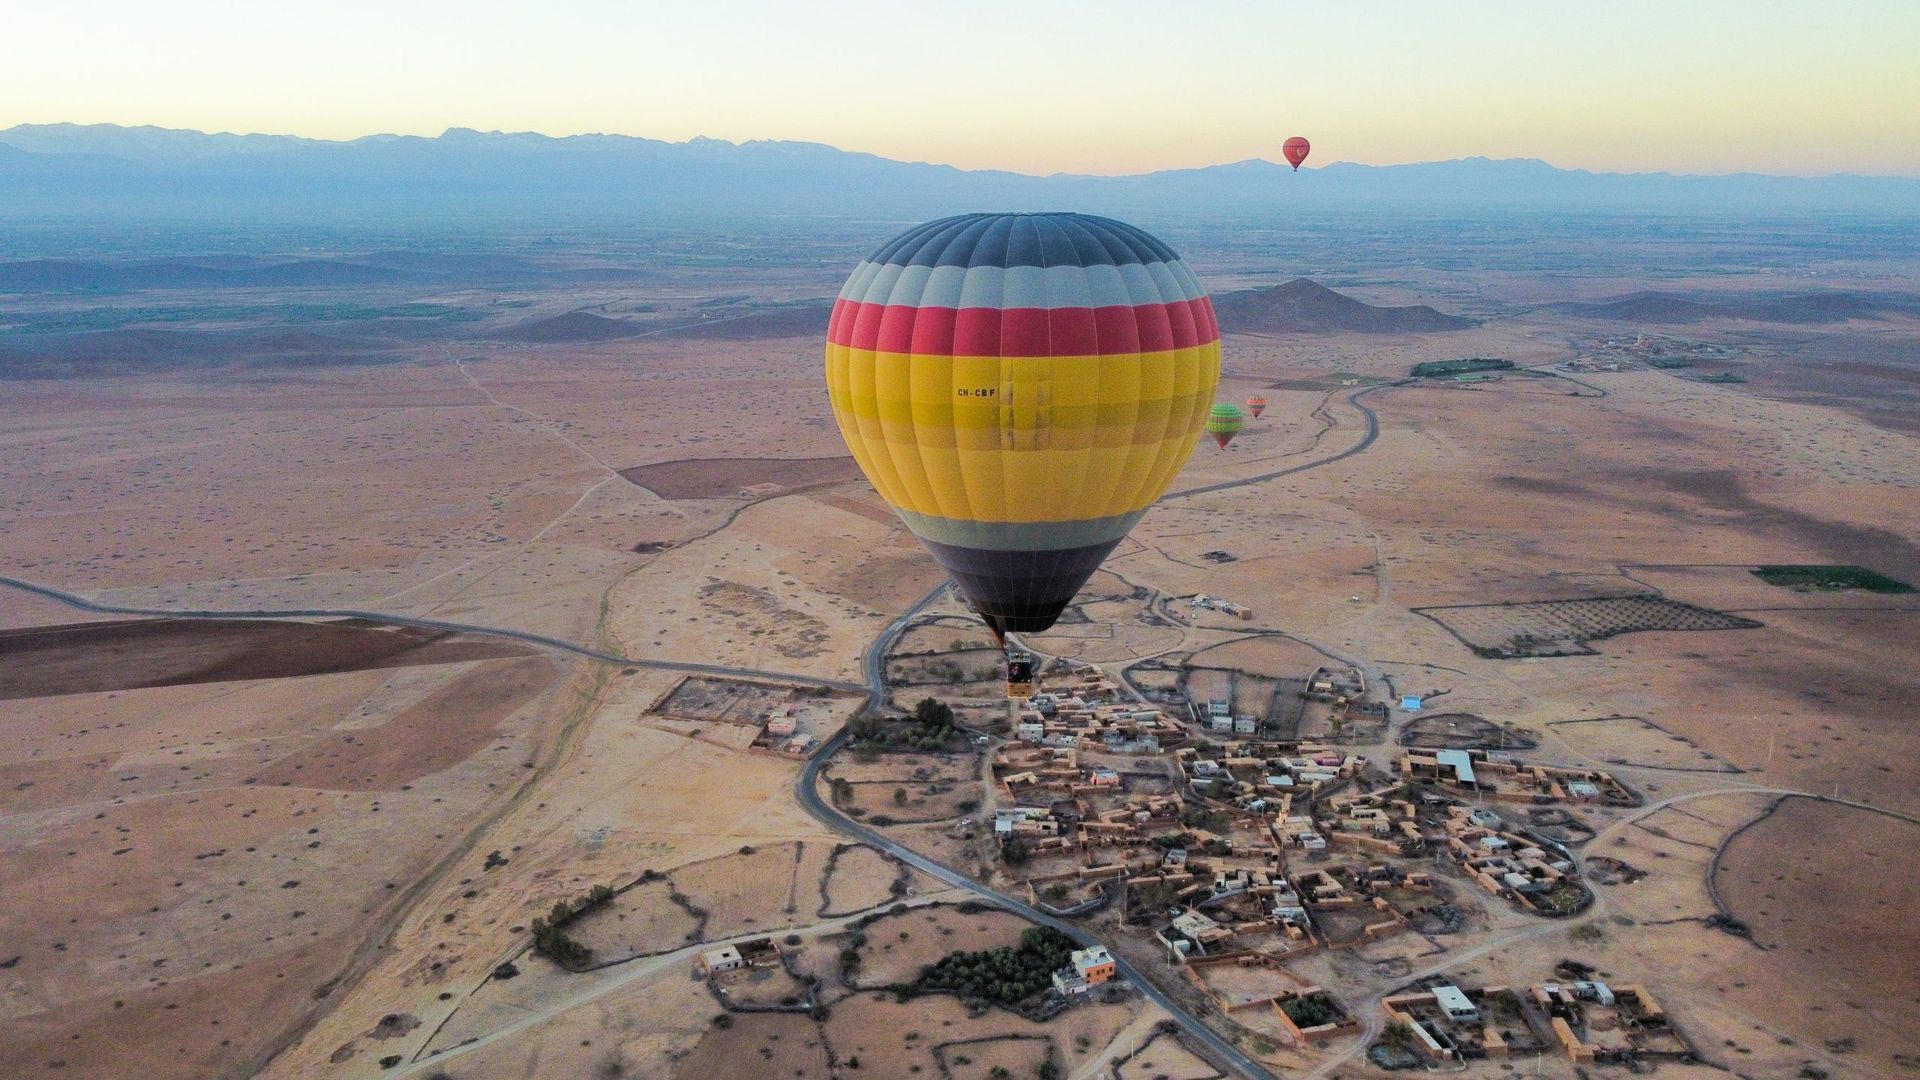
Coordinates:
1442 731
651 917
746 713
1827 889
761 988
857 877
994 1056
899 946
1829 579
1563 627
85 658
758 1044
1234 986
753 889
1632 740
724 701
909 788
916 1038
1267 655
730 478
1165 1057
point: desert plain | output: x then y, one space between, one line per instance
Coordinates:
337 651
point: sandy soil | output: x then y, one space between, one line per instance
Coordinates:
237 843
489 490
1835 908
95 657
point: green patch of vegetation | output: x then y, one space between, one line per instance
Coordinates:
1211 820
550 938
1812 578
1721 378
1436 369
931 727
1006 975
1312 1010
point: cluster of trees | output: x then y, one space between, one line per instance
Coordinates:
1215 821
1003 975
550 938
1311 1010
1433 369
930 727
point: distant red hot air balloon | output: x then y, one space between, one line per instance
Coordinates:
1256 405
1296 150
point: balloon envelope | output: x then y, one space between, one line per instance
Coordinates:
1020 388
1296 150
1224 421
1256 405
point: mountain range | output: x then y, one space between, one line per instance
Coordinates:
56 170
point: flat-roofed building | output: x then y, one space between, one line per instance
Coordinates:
1455 1003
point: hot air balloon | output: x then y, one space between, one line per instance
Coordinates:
1256 405
1224 423
1020 388
1296 150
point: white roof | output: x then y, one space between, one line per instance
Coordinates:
1460 761
1451 999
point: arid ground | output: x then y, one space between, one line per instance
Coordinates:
274 834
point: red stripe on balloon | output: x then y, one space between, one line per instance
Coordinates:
978 331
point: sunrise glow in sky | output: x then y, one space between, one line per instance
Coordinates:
1115 87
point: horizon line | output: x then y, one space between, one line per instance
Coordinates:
1060 174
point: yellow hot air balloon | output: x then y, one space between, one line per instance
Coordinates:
1020 388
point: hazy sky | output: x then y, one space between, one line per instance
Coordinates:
1116 86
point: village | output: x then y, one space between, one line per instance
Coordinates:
1239 833
1231 856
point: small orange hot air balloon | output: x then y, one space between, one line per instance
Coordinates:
1256 405
1296 150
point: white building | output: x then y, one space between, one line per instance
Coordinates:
1455 1004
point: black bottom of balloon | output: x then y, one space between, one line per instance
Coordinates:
1020 592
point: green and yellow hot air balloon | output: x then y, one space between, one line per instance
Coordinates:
1020 388
1224 422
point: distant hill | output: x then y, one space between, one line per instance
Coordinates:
103 171
574 327
248 272
1306 307
1814 308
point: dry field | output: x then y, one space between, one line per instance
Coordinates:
499 489
726 478
899 946
1634 741
1552 627
911 788
761 1044
97 657
236 843
1832 887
